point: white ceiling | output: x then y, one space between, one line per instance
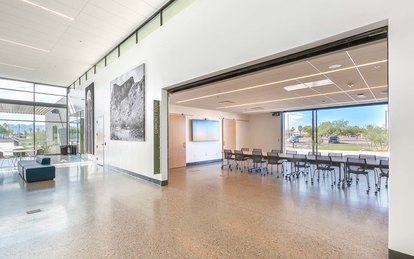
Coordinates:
73 45
363 72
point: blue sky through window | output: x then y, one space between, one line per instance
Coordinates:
359 116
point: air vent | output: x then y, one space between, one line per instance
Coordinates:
256 108
225 102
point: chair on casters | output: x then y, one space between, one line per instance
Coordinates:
310 153
276 151
370 157
290 153
357 166
383 172
228 157
324 163
257 159
274 159
339 165
239 159
300 164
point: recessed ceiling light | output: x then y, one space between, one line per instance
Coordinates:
23 45
281 81
225 102
11 65
335 66
308 85
361 95
47 9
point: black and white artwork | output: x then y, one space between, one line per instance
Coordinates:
128 106
89 119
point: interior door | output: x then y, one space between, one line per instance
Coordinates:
229 134
100 141
177 139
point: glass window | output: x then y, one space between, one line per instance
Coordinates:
16 85
90 73
100 65
128 43
50 136
354 130
298 131
44 113
111 57
83 78
47 89
174 8
16 95
46 98
149 27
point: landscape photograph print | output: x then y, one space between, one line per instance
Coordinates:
127 116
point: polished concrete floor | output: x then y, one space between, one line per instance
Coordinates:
88 212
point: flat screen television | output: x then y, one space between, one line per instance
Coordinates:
205 130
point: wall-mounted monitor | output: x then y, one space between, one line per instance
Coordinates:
205 130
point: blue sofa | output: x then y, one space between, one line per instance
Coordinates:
39 169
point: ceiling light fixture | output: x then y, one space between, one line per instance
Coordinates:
11 65
225 102
311 106
49 10
350 84
361 96
23 45
308 85
335 66
296 98
278 82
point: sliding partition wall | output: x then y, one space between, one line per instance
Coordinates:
348 130
32 117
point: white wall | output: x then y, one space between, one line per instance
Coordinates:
206 150
211 36
265 131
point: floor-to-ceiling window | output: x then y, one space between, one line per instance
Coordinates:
32 117
347 130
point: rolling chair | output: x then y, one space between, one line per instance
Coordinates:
274 159
228 157
239 159
300 164
383 172
324 163
290 153
358 167
339 166
257 160
310 153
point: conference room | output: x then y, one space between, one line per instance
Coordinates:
318 117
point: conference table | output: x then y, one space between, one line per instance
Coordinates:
339 162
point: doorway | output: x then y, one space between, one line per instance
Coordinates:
177 139
100 141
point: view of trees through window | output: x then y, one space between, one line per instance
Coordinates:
349 130
32 118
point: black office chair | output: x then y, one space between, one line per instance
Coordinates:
366 156
290 153
257 159
310 153
338 165
276 151
357 166
274 159
383 172
300 165
228 157
257 150
324 163
244 149
239 159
